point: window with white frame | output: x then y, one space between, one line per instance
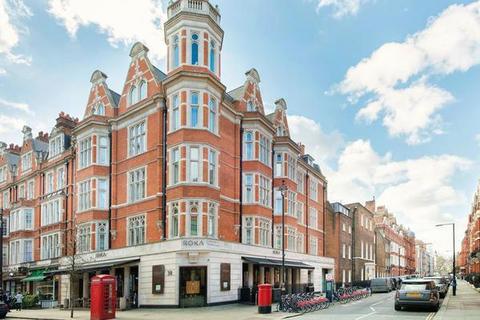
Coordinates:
136 185
361 249
212 115
84 235
175 120
249 188
176 51
350 229
248 145
300 215
300 242
21 191
136 138
212 220
3 174
101 230
291 165
194 48
27 250
5 230
194 220
251 107
98 110
264 150
133 95
194 164
313 190
102 190
349 252
50 212
278 202
5 200
21 219
313 246
84 195
50 246
278 237
291 239
15 256
264 232
85 154
212 167
278 164
194 110
344 251
103 150
27 161
55 146
60 178
49 182
175 158
212 56
136 230
300 182
5 255
264 191
175 220
313 218
291 196
343 227
142 91
249 234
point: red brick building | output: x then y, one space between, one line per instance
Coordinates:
172 184
469 256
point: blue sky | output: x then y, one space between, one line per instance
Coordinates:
423 171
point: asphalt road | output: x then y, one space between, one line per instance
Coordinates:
378 306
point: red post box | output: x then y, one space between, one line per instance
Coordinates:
264 298
103 295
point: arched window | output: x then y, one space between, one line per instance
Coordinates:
251 106
194 219
195 49
133 95
176 52
212 56
143 90
99 110
175 221
212 118
248 145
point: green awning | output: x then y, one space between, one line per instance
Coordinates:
36 275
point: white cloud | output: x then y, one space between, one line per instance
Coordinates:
9 124
11 27
16 105
395 78
3 72
321 145
124 22
341 8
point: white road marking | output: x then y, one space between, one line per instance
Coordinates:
365 315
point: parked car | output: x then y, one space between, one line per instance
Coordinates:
4 309
441 284
381 285
417 292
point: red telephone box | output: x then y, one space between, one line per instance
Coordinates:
103 295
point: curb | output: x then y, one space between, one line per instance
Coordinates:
444 307
24 318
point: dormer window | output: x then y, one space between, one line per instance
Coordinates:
281 131
142 93
137 92
133 96
176 52
251 106
27 161
99 110
212 56
194 49
55 146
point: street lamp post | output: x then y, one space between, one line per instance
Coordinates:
283 190
453 228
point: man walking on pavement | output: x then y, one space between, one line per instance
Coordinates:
454 286
19 300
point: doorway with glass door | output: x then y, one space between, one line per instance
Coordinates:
193 287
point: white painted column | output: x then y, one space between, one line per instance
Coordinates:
262 275
250 275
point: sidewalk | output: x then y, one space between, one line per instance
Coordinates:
225 312
465 305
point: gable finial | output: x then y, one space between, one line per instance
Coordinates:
253 75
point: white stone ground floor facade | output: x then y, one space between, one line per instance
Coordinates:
190 272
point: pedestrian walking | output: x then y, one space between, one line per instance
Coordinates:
454 286
19 301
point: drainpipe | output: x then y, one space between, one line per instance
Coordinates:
110 189
307 212
164 168
354 212
67 196
241 182
324 218
272 197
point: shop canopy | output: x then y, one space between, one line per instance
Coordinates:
277 263
36 275
96 266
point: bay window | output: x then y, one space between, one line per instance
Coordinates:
194 164
212 167
103 152
84 195
102 189
278 165
249 188
264 192
85 154
212 115
50 246
175 113
248 145
194 219
175 157
194 110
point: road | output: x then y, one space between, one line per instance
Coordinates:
378 306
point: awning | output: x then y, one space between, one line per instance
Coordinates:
95 266
36 275
277 263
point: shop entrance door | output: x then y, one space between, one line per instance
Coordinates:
193 286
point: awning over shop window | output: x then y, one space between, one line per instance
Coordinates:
36 275
95 266
277 263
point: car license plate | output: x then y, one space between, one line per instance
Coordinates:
414 295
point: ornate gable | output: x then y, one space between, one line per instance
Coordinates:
279 118
101 101
248 96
